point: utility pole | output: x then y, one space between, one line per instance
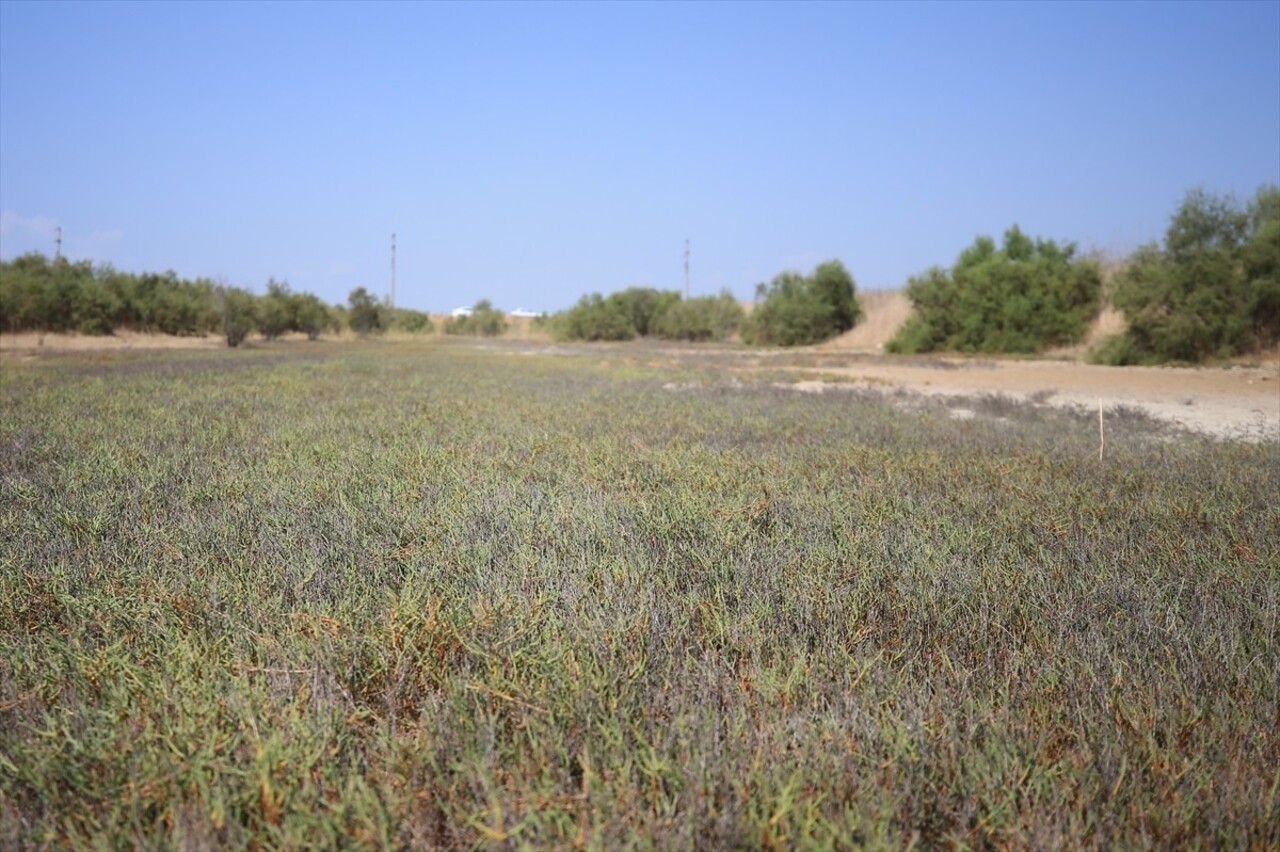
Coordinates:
393 272
686 267
57 246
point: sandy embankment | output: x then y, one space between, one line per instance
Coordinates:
1235 402
1240 402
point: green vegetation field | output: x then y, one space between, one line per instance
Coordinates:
449 595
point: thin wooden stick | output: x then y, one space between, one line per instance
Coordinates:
1102 435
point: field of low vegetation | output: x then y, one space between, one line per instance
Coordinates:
459 594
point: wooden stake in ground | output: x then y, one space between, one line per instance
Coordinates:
1102 437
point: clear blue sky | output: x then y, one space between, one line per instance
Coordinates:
531 153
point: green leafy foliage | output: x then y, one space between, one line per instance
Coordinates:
624 315
700 319
798 310
312 317
1213 290
60 297
484 321
240 314
594 318
276 310
365 315
167 304
643 306
39 295
1023 297
411 321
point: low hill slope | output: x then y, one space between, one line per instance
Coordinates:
884 312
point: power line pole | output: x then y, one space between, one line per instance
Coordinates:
686 267
57 246
393 272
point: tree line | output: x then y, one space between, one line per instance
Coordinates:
37 294
1210 289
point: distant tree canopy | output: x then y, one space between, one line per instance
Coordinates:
411 321
1025 296
484 321
648 312
797 310
365 315
594 318
1212 290
275 310
37 294
240 314
702 318
643 306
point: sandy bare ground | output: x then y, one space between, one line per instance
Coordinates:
1241 402
883 313
1236 402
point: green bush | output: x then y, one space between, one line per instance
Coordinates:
312 315
276 310
797 311
411 321
36 294
1024 297
630 313
699 319
484 321
366 315
1213 290
167 304
240 314
594 318
22 293
643 306
96 309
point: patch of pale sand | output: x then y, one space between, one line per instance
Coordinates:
1241 402
884 312
1107 323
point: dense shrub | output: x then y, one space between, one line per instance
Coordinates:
413 322
39 295
594 318
36 294
799 310
1025 296
643 306
365 315
312 316
699 319
1213 290
276 310
630 313
484 321
167 304
240 314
